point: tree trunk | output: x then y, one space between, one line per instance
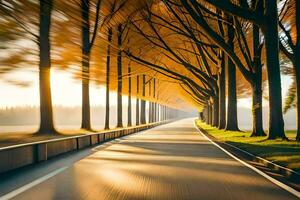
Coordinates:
150 109
297 72
119 95
206 117
167 113
154 103
201 116
211 117
257 118
158 112
107 110
216 111
270 29
46 113
164 113
143 103
150 112
155 112
137 108
231 115
129 97
297 67
207 114
161 113
222 95
86 121
209 111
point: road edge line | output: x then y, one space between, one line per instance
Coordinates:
27 186
273 180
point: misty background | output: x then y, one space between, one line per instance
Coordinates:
19 111
26 119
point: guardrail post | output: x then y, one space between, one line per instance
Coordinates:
77 143
41 152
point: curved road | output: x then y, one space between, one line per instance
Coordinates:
172 161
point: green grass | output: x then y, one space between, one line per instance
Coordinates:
284 153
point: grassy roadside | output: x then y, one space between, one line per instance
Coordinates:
284 153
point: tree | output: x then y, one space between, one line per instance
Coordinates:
231 114
290 46
119 75
107 105
143 102
137 109
46 113
222 92
16 27
150 108
129 97
154 103
86 48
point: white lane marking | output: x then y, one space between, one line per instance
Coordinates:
18 191
273 180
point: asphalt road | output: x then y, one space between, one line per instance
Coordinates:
172 161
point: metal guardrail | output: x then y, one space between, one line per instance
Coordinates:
20 155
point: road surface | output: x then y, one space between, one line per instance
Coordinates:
173 161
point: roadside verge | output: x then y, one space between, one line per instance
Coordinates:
280 173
